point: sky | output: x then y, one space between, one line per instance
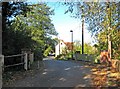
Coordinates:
64 23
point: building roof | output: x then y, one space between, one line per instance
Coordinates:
68 44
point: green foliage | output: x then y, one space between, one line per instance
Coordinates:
88 49
97 59
31 29
38 53
103 19
9 37
50 42
47 51
77 46
62 57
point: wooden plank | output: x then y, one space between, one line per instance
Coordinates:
14 65
15 55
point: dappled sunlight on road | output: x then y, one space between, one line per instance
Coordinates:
67 69
87 77
79 86
49 58
56 73
44 73
62 79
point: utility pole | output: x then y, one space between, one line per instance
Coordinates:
82 31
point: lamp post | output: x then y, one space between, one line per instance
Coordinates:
59 46
72 42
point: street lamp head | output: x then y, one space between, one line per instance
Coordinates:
71 30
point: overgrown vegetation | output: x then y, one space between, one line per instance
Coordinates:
67 53
27 25
102 19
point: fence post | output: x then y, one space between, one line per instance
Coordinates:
31 58
2 61
28 51
25 61
1 68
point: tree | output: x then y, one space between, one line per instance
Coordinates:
88 48
51 42
39 32
103 19
10 10
47 51
77 46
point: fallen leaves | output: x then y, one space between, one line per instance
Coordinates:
101 77
116 75
94 69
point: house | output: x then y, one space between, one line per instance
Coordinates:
62 46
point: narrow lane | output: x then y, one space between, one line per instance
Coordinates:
56 73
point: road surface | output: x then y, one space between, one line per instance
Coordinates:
56 73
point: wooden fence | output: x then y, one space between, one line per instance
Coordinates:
28 60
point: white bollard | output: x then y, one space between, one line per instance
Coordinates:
1 68
25 61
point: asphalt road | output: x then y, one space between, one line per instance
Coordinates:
56 73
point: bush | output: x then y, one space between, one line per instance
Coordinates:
38 54
47 51
97 59
61 57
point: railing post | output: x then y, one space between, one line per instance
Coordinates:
1 69
2 61
31 58
28 51
25 61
